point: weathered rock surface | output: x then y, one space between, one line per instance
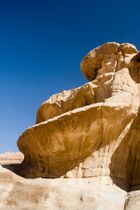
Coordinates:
90 134
11 158
83 132
17 193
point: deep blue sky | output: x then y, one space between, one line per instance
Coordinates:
41 46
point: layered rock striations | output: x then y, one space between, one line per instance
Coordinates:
83 132
90 134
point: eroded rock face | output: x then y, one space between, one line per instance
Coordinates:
90 135
91 131
18 193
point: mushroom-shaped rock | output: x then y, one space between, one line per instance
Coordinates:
81 132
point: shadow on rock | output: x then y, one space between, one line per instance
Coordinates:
125 162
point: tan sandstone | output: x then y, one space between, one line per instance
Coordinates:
91 135
79 132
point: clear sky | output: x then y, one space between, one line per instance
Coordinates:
41 45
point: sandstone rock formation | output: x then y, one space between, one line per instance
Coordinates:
17 193
84 132
91 135
11 158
